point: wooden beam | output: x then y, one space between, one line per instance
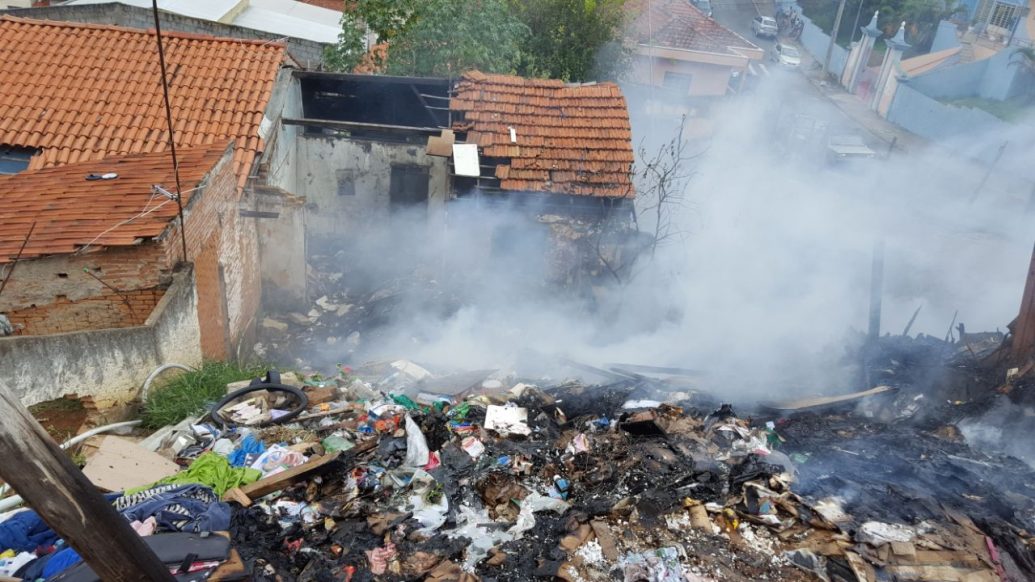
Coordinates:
289 477
64 498
1024 334
352 125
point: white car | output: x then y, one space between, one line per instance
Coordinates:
848 147
764 26
787 55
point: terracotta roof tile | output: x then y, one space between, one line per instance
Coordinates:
571 139
679 24
85 91
71 211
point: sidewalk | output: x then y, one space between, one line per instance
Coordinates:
858 110
1000 185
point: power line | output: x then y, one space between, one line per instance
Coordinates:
172 137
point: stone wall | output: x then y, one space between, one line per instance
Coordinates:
110 365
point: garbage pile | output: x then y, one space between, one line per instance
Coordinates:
395 472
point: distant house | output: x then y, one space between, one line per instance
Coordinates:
84 149
681 48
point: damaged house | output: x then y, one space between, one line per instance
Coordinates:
374 146
90 243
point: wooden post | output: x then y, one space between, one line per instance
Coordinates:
876 290
64 498
1024 334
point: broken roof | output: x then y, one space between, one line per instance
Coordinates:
72 211
678 24
83 91
569 139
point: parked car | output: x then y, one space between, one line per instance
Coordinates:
704 5
848 147
787 55
764 26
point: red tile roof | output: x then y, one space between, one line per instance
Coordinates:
71 211
571 139
678 24
338 5
84 91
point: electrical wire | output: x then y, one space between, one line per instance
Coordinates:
147 210
169 122
124 222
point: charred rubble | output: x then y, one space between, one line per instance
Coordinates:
487 475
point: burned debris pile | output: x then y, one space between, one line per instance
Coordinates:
393 471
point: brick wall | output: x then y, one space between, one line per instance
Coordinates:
105 311
54 294
39 281
214 209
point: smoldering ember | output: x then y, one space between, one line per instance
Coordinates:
516 290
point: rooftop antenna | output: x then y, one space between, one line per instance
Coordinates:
169 122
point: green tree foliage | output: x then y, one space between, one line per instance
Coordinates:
345 55
448 37
921 16
388 18
574 40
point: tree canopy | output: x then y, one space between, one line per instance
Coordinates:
574 40
563 39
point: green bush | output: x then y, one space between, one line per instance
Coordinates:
174 399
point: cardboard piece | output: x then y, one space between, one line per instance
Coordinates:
120 464
441 145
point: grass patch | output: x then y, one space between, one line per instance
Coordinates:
189 393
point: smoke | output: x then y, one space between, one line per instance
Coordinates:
769 276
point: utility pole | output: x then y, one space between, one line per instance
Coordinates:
833 37
855 27
65 499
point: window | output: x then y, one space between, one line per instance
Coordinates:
346 182
1003 15
409 186
677 82
14 159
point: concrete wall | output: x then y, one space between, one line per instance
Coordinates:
1003 78
309 54
944 123
280 157
323 160
109 365
816 42
707 80
963 80
282 246
945 37
282 240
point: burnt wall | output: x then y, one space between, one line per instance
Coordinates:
347 182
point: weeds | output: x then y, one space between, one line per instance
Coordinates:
190 392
